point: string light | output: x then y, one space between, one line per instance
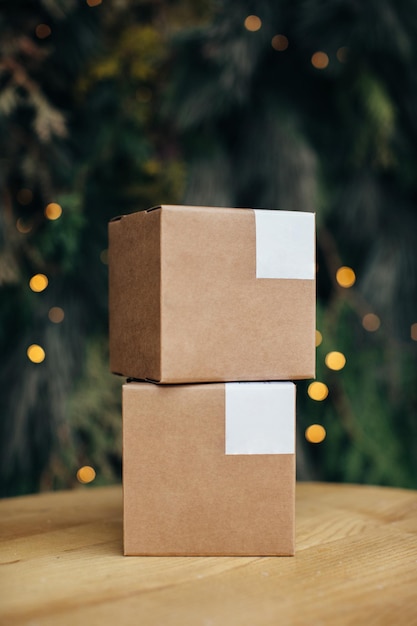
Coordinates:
53 211
22 226
371 322
413 331
345 276
86 474
318 391
56 314
315 433
24 196
335 360
38 282
253 23
279 42
35 353
42 31
319 338
341 54
320 60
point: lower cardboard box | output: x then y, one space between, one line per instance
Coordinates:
209 469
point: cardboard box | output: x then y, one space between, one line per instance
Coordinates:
201 294
209 469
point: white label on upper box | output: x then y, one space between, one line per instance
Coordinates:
260 418
285 244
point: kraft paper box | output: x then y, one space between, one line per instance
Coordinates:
200 294
209 469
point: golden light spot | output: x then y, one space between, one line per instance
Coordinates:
22 226
104 257
42 31
345 277
413 331
38 282
253 23
24 196
315 433
342 54
56 314
320 60
53 211
93 3
35 353
279 42
335 360
371 322
319 338
86 474
318 391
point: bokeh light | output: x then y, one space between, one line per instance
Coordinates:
24 196
335 360
104 256
319 338
413 331
93 3
86 474
35 353
279 42
318 391
53 211
253 23
22 226
42 31
56 314
345 276
320 60
315 433
38 282
371 322
342 54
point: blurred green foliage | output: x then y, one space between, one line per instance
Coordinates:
132 103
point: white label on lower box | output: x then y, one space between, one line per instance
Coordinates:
285 244
260 418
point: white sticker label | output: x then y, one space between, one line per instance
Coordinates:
260 418
285 244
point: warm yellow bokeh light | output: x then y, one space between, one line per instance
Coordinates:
315 433
38 282
279 42
318 391
24 196
93 3
345 276
320 60
371 322
53 211
56 314
42 31
86 474
413 331
35 353
253 23
335 360
319 338
104 256
22 226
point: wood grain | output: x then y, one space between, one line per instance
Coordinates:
356 563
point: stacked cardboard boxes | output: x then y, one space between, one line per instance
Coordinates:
213 309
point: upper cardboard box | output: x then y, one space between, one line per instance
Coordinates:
207 294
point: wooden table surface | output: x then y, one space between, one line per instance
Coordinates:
356 563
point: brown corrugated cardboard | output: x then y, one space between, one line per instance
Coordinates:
187 303
184 494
